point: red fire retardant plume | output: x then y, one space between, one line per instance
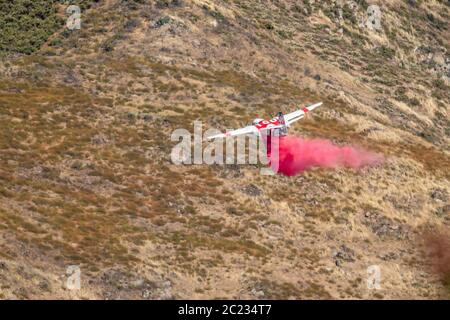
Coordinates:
297 155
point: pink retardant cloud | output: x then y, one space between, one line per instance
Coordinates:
297 155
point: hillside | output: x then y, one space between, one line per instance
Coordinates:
85 171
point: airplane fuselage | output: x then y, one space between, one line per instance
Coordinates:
272 125
267 124
277 126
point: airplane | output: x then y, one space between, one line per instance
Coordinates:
277 126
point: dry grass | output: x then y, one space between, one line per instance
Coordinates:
437 253
86 178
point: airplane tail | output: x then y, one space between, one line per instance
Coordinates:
273 135
283 130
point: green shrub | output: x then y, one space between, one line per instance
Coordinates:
26 24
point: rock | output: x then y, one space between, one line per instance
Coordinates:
163 291
369 130
131 116
14 90
99 139
138 283
343 254
438 58
169 4
131 24
232 211
146 294
12 162
214 23
258 293
307 71
252 190
44 285
383 226
440 194
162 21
167 284
49 173
3 266
71 79
388 256
77 165
147 117
444 212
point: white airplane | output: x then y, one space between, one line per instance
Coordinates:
277 126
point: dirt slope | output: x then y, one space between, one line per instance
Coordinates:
86 177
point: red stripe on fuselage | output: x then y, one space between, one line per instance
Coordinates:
263 124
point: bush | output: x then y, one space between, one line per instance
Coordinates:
27 24
162 21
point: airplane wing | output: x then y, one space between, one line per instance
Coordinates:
268 125
238 132
297 115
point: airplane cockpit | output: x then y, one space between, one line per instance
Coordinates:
256 121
